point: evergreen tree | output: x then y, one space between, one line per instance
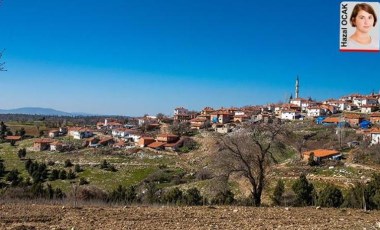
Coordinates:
193 197
14 177
330 196
303 190
278 192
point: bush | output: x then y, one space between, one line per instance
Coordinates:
330 196
122 194
71 175
54 175
193 197
203 174
14 177
68 163
21 153
173 196
224 198
304 191
83 181
354 197
278 192
77 168
372 192
62 175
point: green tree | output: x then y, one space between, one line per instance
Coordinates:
2 169
278 192
14 177
372 192
330 196
303 190
62 175
21 153
224 197
193 197
173 196
68 163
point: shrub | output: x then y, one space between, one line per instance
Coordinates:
193 197
14 177
21 153
372 192
54 175
278 192
330 196
173 196
77 168
71 175
68 163
224 198
62 175
354 197
303 190
83 181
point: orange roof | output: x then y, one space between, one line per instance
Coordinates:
375 114
322 152
331 120
375 130
352 116
44 141
13 138
166 135
156 144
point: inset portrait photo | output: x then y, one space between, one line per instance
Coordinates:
359 26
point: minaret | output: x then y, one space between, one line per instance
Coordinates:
297 87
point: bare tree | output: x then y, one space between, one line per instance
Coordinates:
249 152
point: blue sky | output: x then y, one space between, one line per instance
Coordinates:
131 57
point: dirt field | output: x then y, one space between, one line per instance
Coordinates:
17 216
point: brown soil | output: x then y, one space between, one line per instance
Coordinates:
29 216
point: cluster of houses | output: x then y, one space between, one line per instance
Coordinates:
108 133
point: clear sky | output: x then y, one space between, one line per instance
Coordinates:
131 57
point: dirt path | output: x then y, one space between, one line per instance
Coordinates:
21 216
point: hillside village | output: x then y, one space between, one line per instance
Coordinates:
180 150
358 112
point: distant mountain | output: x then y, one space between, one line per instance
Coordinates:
36 111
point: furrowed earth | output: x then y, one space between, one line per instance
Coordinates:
37 216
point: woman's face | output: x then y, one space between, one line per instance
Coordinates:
364 21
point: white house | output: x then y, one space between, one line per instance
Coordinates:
290 115
80 133
315 111
303 103
375 136
368 108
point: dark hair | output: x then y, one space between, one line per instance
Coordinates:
362 6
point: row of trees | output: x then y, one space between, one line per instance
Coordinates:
366 196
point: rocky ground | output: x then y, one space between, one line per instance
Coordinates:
33 216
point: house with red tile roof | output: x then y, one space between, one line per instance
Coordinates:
80 132
169 138
375 135
375 118
157 145
199 122
13 138
42 144
320 154
353 119
144 141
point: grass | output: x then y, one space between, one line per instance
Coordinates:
131 169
